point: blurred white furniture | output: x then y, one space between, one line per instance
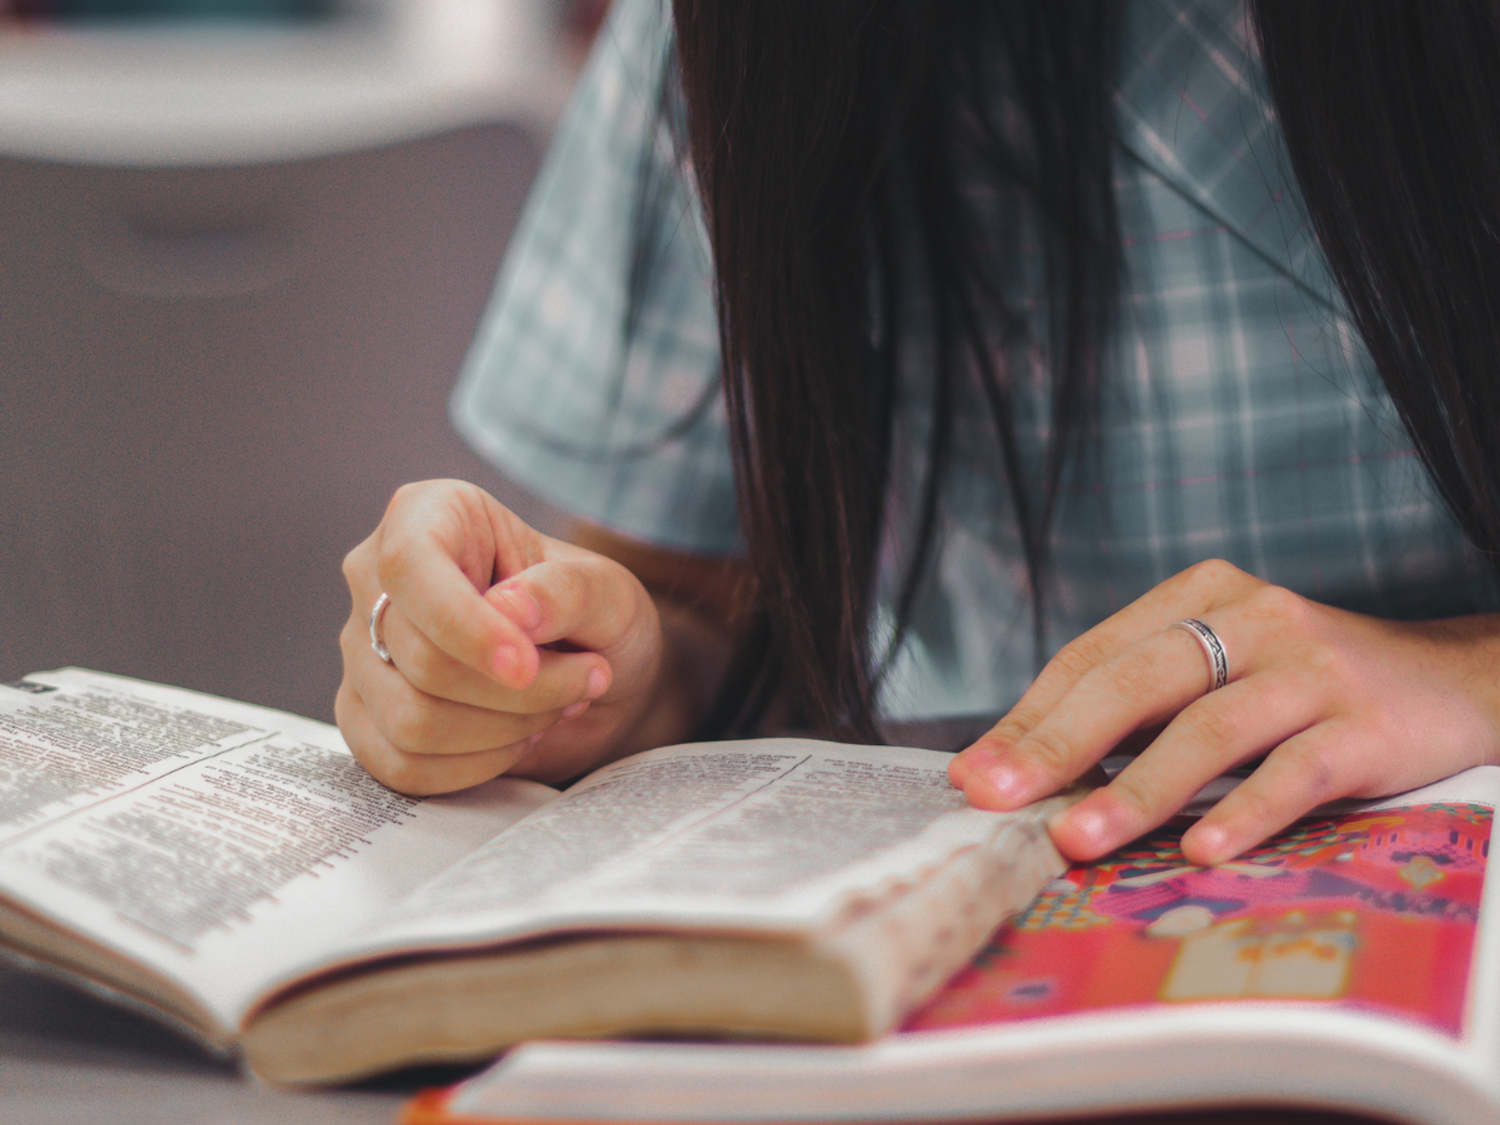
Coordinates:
239 269
378 72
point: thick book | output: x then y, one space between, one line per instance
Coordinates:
232 870
1351 964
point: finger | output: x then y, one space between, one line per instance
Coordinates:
1219 731
415 774
417 564
561 679
1194 592
418 723
1305 771
588 600
1191 593
1143 685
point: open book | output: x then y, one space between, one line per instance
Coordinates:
233 870
1353 963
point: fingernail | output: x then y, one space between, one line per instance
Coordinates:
973 760
598 684
1209 843
1007 782
983 754
1089 826
522 607
573 710
534 739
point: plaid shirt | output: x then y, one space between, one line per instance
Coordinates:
1241 418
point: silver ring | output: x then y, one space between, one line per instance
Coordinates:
1213 648
377 642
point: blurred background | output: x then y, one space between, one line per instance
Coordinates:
243 246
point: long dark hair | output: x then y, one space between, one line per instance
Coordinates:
828 141
1391 113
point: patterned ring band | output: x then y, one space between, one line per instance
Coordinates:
1213 648
377 642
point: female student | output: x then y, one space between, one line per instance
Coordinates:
1158 339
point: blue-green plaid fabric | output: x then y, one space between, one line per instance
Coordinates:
1241 416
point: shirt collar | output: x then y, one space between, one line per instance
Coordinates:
1192 105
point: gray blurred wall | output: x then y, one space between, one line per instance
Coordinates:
210 384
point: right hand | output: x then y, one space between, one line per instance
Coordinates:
512 652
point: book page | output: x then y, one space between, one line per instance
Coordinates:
770 835
224 868
69 738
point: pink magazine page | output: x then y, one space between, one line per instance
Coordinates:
1373 911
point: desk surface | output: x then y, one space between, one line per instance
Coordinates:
67 1059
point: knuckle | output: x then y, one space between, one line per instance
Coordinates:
453 623
426 668
1049 748
613 605
613 581
415 724
346 703
401 773
571 591
1211 727
393 555
1013 727
386 762
1132 675
1253 806
1328 666
1140 794
356 563
411 493
352 635
1317 762
461 500
544 696
638 626
1276 605
1076 658
1212 575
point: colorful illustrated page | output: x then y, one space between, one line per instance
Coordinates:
1372 911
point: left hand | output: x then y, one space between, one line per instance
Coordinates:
1340 705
